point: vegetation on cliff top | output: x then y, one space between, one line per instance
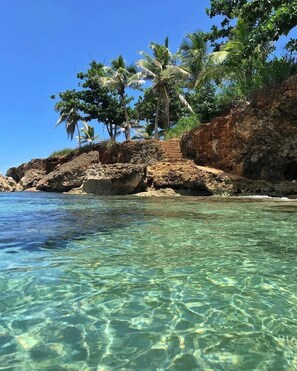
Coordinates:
209 72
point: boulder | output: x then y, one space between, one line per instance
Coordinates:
68 175
38 165
31 178
7 184
257 140
116 179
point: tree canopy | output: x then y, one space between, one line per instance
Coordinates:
267 20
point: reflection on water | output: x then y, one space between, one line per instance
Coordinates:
141 284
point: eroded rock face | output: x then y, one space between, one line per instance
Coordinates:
200 180
69 175
31 178
133 152
117 179
38 165
7 184
258 141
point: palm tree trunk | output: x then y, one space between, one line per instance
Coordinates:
156 135
78 134
127 119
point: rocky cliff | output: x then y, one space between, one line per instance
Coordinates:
257 140
250 150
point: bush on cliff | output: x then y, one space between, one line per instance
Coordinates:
184 124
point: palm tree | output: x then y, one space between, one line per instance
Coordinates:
165 74
193 53
88 134
119 77
68 107
239 56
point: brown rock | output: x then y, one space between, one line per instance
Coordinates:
258 141
7 184
69 175
133 152
186 175
31 178
117 179
39 165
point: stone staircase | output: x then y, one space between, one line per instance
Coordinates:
171 150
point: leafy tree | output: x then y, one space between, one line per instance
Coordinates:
69 110
118 77
204 102
98 102
266 20
145 110
165 75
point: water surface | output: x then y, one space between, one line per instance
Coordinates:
126 283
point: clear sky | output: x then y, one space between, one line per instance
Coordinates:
45 43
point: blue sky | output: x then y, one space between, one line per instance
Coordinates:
45 43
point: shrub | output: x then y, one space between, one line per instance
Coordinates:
63 152
183 125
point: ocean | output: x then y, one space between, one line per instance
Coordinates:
131 283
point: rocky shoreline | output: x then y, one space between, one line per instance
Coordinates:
251 150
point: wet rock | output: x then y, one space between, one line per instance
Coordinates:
200 180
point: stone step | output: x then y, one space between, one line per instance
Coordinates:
171 150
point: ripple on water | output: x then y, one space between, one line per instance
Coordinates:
124 283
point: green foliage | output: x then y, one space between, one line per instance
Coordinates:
276 71
145 110
117 78
270 73
63 152
204 102
166 76
194 57
267 20
69 109
183 125
98 102
88 134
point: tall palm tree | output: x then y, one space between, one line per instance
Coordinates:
119 77
68 107
165 74
193 52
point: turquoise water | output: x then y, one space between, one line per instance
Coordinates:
147 284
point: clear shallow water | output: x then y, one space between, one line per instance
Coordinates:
147 284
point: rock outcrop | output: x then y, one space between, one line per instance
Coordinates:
186 177
257 141
117 179
250 150
132 152
7 184
69 175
